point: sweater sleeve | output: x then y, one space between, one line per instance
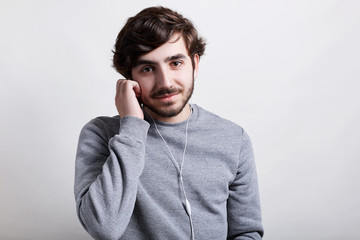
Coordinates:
107 173
244 212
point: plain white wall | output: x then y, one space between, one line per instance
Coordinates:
287 71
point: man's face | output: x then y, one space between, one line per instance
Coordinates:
166 78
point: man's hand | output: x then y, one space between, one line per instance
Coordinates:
127 92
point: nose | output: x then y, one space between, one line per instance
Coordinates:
163 78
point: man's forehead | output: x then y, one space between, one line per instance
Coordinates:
174 48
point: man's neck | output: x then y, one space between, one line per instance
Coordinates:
182 116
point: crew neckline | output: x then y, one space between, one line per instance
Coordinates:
193 117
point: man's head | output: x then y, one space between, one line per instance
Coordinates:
148 30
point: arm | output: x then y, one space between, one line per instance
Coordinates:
107 175
107 171
244 213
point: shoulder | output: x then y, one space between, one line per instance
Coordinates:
213 120
103 122
221 127
102 126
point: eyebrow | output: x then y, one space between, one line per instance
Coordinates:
176 57
168 59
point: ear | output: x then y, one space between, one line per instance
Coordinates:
196 65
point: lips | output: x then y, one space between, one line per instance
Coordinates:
166 96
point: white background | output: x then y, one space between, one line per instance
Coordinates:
287 71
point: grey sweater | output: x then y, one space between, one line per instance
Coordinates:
127 187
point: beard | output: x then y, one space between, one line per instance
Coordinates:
170 109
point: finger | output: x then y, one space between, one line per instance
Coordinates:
123 86
131 85
118 82
137 89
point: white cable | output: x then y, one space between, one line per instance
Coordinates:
187 203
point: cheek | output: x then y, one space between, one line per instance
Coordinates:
185 76
188 78
146 87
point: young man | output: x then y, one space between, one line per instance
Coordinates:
164 169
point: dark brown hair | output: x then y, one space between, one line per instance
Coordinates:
148 30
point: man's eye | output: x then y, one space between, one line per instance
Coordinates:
146 69
176 63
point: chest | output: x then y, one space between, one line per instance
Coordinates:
207 166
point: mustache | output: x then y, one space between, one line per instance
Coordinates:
165 91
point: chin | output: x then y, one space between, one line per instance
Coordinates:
168 109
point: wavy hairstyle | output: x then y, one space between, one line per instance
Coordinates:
148 30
